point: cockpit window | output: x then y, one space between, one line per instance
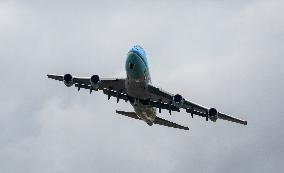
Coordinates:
131 66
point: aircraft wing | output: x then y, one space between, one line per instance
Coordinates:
114 84
163 97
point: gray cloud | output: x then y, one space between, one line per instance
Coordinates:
223 54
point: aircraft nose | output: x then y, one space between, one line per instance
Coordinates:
134 66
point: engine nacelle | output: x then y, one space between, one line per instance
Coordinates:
213 114
178 99
68 80
95 82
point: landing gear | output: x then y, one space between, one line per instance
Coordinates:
145 102
136 101
150 123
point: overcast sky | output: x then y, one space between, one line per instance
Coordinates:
222 54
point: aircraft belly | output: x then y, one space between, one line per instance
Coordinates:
146 113
137 89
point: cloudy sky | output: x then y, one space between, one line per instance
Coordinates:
222 54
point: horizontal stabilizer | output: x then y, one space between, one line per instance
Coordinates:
164 122
158 120
128 114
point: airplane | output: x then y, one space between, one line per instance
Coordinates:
145 98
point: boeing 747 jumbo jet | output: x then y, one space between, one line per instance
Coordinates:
145 98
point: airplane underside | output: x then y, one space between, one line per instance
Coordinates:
145 112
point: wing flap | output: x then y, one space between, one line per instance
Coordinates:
82 86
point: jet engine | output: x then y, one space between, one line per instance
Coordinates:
213 114
68 80
95 81
178 99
